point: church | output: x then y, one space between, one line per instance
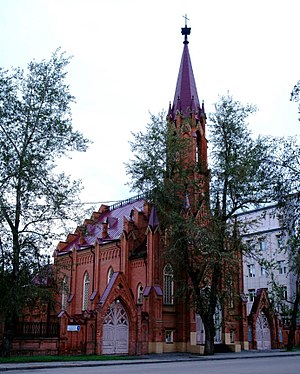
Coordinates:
117 294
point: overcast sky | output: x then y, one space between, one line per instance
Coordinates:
126 60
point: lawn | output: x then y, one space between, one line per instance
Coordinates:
20 359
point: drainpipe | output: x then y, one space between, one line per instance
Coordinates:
93 253
93 287
71 276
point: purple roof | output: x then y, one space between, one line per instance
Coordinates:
109 287
153 219
186 96
114 218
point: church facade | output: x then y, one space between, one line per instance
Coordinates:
118 290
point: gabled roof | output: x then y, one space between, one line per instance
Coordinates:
111 219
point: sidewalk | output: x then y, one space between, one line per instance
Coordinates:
149 359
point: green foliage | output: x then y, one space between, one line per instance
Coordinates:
35 202
287 192
202 243
239 162
20 359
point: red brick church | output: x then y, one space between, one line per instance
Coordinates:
118 290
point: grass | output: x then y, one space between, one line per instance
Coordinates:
24 359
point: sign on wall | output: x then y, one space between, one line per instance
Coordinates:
73 328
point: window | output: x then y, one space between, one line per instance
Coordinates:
262 245
140 294
284 292
251 270
109 274
86 289
218 324
252 294
263 271
280 241
281 267
169 336
231 336
168 284
64 292
251 246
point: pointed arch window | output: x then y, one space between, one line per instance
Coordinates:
140 291
64 292
86 290
110 274
168 294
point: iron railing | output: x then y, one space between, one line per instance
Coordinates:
37 329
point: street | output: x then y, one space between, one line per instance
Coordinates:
266 365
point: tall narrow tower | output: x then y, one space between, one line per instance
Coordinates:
189 118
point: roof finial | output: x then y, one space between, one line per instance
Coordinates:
186 30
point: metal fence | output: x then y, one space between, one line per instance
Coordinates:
37 329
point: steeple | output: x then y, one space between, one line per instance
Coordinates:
187 116
186 99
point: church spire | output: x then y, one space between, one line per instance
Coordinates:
186 98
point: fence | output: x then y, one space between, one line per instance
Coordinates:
37 330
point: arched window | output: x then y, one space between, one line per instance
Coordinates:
140 291
86 289
109 274
168 284
64 292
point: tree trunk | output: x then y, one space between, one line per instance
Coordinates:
293 323
209 326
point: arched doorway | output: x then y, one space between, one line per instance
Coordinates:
200 332
115 330
263 334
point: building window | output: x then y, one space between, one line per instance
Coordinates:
252 294
280 242
140 291
262 245
64 292
251 270
168 284
251 247
281 267
110 274
231 336
169 336
284 292
86 289
263 271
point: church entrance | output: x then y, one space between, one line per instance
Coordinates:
115 330
200 333
263 335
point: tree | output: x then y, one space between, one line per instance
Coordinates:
287 192
202 243
295 95
35 130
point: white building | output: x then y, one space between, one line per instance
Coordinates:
267 258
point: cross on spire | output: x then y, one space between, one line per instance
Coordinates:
186 19
185 30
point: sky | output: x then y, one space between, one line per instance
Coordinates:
126 57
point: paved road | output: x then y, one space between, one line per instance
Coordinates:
262 365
